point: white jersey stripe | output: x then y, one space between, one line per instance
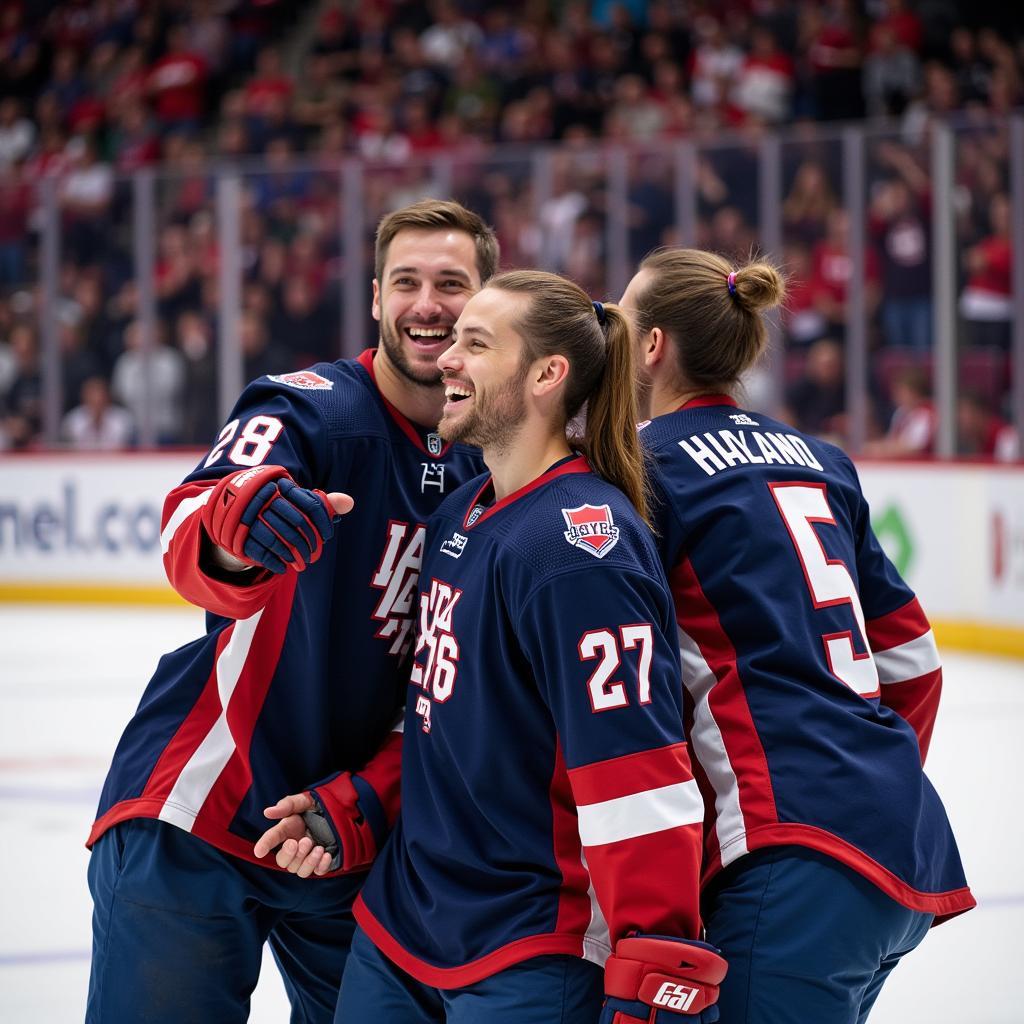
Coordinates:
908 661
640 814
708 748
197 778
179 515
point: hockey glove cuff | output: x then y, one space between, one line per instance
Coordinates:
338 824
261 515
652 979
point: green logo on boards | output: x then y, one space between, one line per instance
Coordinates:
891 529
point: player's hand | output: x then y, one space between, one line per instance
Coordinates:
297 851
651 979
262 516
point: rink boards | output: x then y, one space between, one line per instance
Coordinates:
87 528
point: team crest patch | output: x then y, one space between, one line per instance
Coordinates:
305 380
434 444
592 528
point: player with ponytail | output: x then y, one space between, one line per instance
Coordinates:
545 864
811 674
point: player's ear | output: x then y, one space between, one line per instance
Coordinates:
550 372
654 347
375 308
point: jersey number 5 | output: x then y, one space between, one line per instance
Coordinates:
829 581
606 694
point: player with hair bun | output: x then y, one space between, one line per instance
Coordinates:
811 674
546 858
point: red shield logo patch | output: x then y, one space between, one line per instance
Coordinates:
591 528
305 380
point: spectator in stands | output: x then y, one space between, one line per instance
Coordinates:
981 432
149 384
986 303
831 271
78 362
21 412
450 37
766 80
901 228
261 354
802 316
831 37
15 210
817 400
806 209
177 84
892 74
97 424
86 192
200 415
17 133
911 432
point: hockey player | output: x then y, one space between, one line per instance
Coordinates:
308 632
811 674
550 822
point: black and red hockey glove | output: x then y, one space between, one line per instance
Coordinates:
653 979
263 516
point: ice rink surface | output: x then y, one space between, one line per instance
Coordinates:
70 678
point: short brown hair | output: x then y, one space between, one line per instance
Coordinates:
438 215
710 311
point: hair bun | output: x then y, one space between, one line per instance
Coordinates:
759 286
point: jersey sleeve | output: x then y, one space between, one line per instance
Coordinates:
899 634
601 643
270 425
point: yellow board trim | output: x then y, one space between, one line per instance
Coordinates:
1007 641
88 593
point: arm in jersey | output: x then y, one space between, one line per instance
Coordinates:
900 637
347 815
271 425
601 643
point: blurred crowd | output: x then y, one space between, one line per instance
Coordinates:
454 96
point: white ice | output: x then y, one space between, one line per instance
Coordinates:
70 678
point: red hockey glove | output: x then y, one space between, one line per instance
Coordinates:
652 979
338 824
263 516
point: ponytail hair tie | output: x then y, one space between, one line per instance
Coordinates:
731 281
599 310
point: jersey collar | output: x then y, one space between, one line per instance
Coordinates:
570 464
701 401
365 360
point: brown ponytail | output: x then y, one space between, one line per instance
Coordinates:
561 319
713 314
611 440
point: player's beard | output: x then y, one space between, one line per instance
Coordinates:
427 376
495 419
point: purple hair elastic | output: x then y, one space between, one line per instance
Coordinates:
731 281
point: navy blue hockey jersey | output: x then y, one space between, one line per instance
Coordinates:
811 673
547 800
299 675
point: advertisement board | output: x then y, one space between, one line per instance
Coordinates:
76 527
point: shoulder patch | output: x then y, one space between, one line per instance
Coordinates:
591 528
305 380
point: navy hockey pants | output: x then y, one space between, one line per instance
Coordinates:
806 938
179 927
544 990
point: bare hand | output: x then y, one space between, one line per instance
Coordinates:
296 852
